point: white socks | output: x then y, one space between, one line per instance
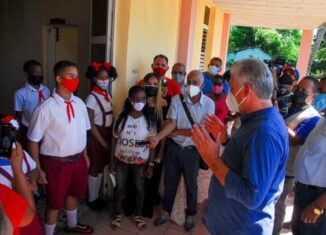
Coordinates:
92 185
49 229
72 218
98 184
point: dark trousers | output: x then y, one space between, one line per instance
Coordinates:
304 195
179 161
136 171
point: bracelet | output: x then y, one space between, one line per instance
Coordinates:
151 164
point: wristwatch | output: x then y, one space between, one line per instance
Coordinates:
151 164
316 210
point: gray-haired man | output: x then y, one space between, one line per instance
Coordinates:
181 154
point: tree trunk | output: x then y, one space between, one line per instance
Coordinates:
315 47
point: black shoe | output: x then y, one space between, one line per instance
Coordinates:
163 218
95 205
190 223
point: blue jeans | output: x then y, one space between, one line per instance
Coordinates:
304 195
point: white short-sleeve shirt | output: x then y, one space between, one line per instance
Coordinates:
98 116
50 124
8 169
135 130
27 99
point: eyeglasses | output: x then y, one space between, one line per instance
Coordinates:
180 73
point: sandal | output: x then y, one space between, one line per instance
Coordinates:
140 222
116 221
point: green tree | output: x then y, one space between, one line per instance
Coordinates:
276 42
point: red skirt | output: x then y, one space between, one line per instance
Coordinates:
33 228
98 155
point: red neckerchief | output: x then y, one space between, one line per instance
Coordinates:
99 91
69 108
40 96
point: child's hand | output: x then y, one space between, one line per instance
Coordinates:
17 157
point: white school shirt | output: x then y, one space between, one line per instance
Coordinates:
8 169
51 125
135 130
98 116
26 100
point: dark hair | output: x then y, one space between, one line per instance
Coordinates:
314 80
161 56
227 75
60 67
218 59
149 75
216 77
127 108
91 72
29 64
322 78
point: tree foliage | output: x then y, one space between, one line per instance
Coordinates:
276 42
318 67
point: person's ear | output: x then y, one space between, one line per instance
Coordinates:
58 79
247 89
167 68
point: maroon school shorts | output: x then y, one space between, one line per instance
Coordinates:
65 178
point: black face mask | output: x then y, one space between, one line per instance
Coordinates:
35 80
285 80
299 98
151 91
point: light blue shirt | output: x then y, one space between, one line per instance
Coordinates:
198 111
310 163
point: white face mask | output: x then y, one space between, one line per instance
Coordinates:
212 69
192 90
232 103
103 84
138 106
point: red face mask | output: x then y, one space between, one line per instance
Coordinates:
70 84
159 71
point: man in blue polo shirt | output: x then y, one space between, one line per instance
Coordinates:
214 67
248 178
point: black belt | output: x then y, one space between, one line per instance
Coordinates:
311 187
190 147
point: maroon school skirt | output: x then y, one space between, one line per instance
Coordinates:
99 157
33 228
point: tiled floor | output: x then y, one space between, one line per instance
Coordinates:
101 222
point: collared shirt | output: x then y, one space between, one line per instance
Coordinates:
208 85
5 165
256 156
198 111
27 99
50 124
310 163
98 115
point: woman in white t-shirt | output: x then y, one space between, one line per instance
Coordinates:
99 107
130 152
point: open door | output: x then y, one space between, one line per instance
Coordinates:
60 42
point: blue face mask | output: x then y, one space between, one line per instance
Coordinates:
212 69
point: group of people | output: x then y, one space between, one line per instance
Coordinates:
168 128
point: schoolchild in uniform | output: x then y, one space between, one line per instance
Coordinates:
60 124
30 172
29 96
99 107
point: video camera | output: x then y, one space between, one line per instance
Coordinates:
277 65
8 136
